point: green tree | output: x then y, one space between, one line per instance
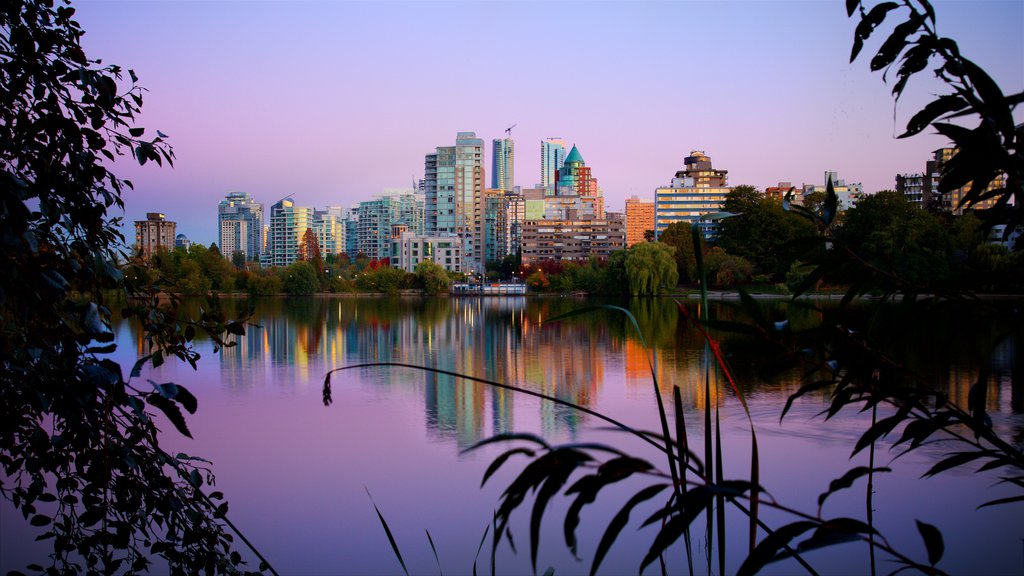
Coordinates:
679 236
726 270
75 433
889 238
432 278
651 269
300 279
762 232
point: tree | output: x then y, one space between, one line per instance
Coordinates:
651 269
679 236
300 279
891 238
78 441
762 232
726 270
432 278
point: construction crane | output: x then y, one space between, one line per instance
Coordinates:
509 130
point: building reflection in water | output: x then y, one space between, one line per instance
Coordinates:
504 339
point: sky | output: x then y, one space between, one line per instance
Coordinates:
335 101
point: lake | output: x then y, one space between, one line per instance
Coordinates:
297 474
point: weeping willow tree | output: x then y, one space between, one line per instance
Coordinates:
651 268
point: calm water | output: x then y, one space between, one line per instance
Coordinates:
296 472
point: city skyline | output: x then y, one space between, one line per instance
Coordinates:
334 102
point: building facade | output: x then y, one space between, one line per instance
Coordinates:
377 216
639 219
573 241
552 156
288 224
154 233
696 191
240 226
454 184
502 164
408 249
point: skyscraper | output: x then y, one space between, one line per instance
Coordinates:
552 156
454 185
503 164
288 224
240 226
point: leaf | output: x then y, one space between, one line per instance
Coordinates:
896 42
846 480
692 504
766 551
851 7
39 520
387 530
880 429
935 109
564 463
171 411
932 541
1002 501
957 459
507 436
434 550
868 24
619 521
136 132
502 458
187 400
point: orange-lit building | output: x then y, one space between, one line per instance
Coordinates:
639 219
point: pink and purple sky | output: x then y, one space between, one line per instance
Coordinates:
334 101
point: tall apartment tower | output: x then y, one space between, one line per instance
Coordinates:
639 219
696 191
240 226
154 233
454 186
502 164
288 224
552 157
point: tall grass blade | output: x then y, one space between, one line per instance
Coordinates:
683 444
434 550
870 494
720 498
387 530
481 547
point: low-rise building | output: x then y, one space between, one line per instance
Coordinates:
573 240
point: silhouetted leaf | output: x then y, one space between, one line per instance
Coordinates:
935 109
999 501
867 25
896 42
387 530
846 480
767 550
957 459
171 411
502 458
932 541
619 521
880 429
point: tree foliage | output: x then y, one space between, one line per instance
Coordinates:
679 236
432 278
762 232
79 442
651 269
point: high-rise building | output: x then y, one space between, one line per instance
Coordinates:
329 226
502 164
352 233
923 189
696 191
288 224
454 184
240 226
639 219
154 233
552 156
377 216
